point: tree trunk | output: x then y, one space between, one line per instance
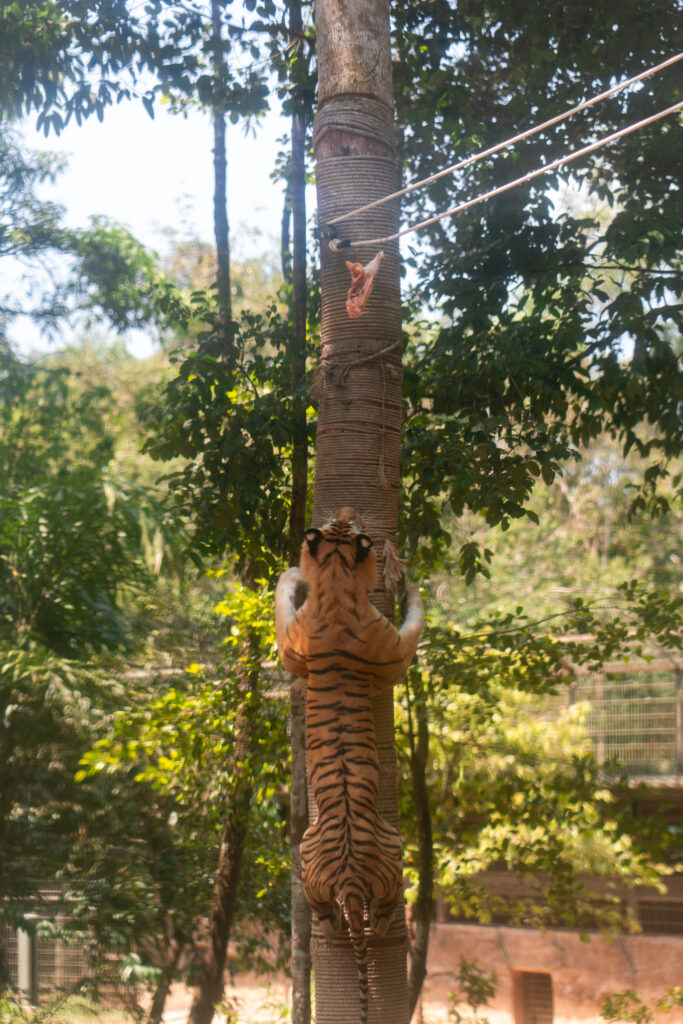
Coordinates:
156 1011
285 240
422 909
220 219
359 391
297 520
220 179
209 992
301 915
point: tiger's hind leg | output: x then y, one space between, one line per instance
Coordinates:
380 914
329 916
318 874
384 878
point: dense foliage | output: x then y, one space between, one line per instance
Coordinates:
165 777
512 778
228 417
73 60
71 532
70 540
559 300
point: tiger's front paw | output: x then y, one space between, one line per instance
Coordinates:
412 605
292 587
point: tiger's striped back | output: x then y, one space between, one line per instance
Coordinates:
351 857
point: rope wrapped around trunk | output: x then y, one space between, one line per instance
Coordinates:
358 441
357 115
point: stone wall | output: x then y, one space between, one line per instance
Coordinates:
582 972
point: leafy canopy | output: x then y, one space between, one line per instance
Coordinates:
558 302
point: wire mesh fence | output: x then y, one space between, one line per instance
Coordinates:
661 917
8 938
41 964
635 716
61 964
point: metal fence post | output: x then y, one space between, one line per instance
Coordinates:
679 723
27 982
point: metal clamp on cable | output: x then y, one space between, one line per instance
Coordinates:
326 233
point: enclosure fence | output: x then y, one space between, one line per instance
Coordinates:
635 717
42 957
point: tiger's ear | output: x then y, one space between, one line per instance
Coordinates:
363 547
313 538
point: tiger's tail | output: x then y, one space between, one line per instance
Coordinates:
352 906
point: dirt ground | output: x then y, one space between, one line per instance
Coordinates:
254 999
582 973
261 999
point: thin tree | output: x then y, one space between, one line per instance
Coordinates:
296 199
210 982
220 173
358 387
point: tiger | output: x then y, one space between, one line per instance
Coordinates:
347 651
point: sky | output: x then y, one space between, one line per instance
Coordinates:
152 175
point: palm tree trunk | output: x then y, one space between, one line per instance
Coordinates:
359 392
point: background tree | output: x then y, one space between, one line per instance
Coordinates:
70 542
131 875
586 545
299 88
172 770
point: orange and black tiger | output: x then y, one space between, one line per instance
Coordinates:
347 651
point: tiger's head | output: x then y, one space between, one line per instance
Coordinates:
340 542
